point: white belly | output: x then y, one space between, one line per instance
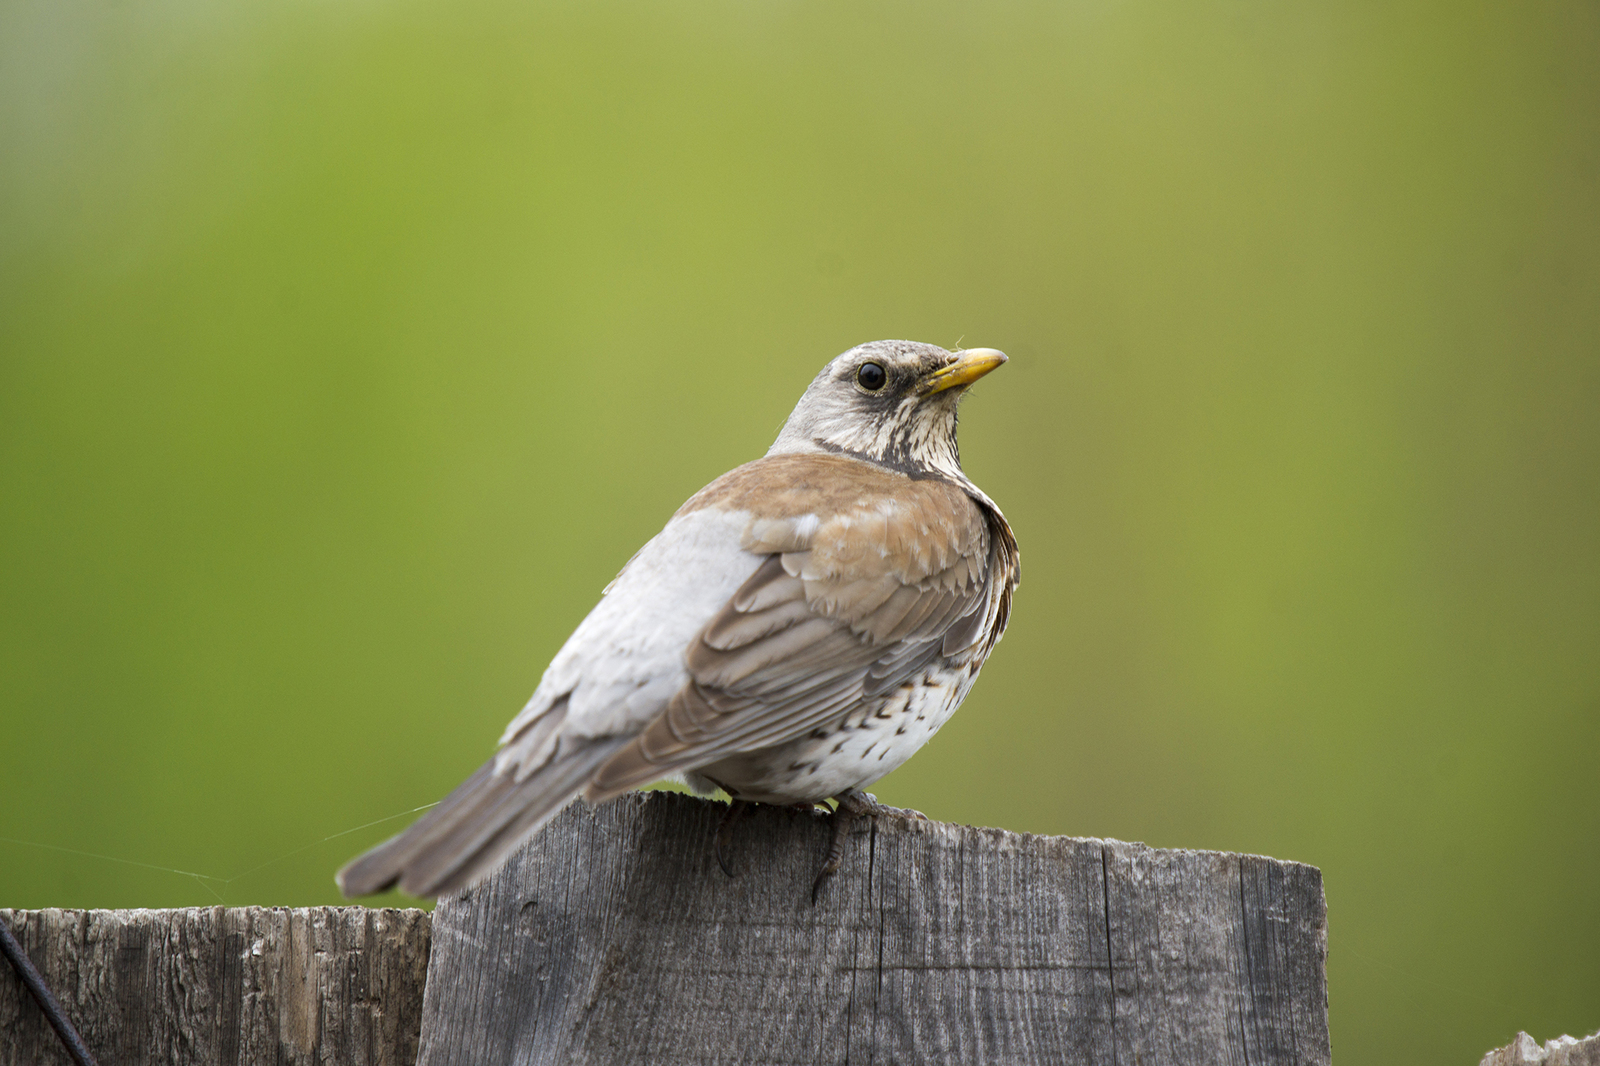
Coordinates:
860 749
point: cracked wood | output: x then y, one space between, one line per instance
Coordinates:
613 937
223 987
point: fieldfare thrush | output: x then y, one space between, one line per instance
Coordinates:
797 630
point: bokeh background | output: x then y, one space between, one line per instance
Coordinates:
348 348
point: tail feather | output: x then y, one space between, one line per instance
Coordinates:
475 827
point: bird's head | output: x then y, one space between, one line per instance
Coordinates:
890 402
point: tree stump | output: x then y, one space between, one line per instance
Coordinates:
249 986
613 937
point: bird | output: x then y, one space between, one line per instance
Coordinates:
797 630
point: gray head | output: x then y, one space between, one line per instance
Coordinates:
891 402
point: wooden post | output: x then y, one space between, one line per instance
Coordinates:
614 938
252 985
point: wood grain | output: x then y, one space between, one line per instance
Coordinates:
613 938
1562 1051
222 986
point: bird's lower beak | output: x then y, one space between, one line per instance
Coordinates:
972 365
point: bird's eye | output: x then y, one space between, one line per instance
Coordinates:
871 377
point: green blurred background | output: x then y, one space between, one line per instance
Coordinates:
348 348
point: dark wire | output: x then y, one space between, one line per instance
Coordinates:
43 996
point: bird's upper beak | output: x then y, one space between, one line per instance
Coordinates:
971 365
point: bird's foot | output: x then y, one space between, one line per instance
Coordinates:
877 808
848 807
867 803
724 837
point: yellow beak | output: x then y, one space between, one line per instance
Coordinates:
973 364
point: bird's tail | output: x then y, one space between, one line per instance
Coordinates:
475 827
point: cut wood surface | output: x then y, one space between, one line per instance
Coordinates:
221 986
613 937
1562 1051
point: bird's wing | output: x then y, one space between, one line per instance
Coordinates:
868 576
611 678
623 663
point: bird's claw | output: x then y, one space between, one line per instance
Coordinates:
828 870
724 835
850 806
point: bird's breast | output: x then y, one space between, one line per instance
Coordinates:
864 745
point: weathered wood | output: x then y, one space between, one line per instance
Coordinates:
222 986
1562 1051
612 937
